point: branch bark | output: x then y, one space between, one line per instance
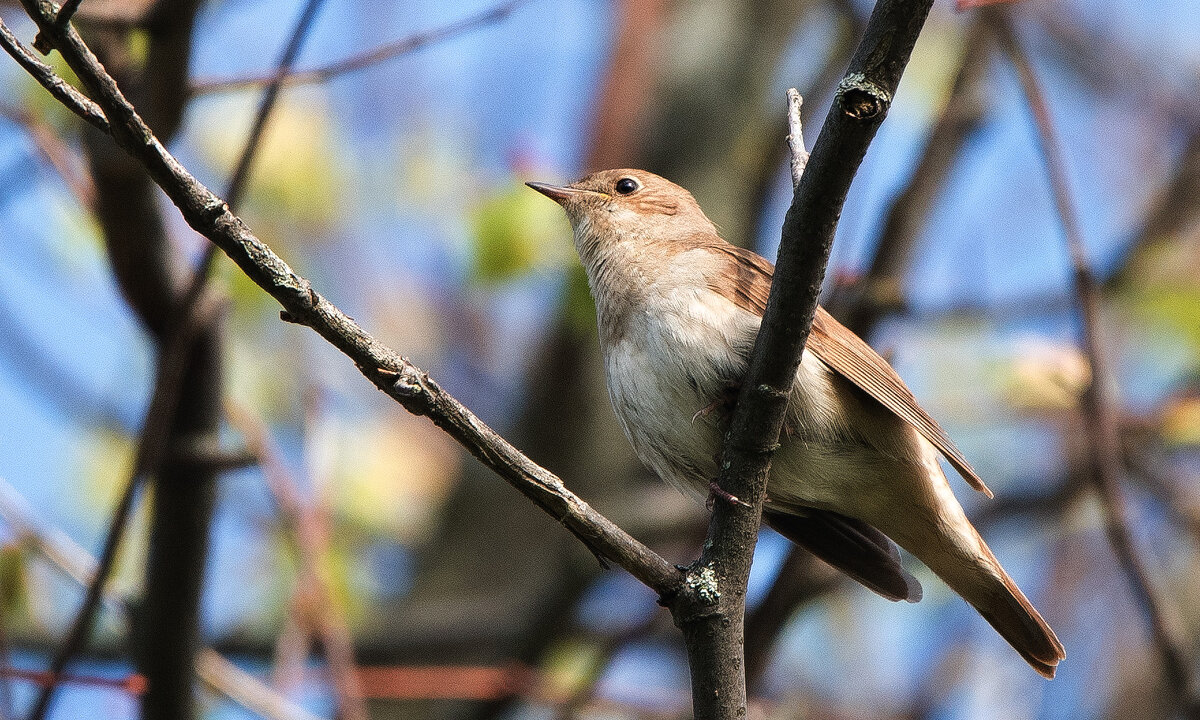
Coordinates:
864 303
395 376
714 628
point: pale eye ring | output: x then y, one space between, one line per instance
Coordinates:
627 185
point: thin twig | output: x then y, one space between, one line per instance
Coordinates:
62 158
1097 404
151 449
72 559
363 60
283 69
239 179
67 12
134 684
311 541
62 91
795 138
860 308
81 627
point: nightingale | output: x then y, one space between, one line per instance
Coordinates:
678 311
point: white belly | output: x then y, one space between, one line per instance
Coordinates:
679 356
673 362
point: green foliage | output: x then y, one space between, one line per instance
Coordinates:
14 582
1175 307
296 173
515 231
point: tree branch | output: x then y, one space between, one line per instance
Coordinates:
878 292
863 303
394 375
212 668
363 60
1098 408
713 629
62 90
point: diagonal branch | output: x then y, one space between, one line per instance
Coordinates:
62 90
237 183
363 60
395 376
212 668
1099 410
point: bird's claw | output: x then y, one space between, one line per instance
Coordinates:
725 401
707 409
716 491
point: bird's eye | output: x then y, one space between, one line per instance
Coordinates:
627 185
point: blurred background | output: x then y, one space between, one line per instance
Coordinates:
359 564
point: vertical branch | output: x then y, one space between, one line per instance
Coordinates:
313 608
1099 409
862 304
712 619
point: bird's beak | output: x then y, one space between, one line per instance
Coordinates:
557 193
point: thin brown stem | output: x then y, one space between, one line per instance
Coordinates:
62 91
862 305
1097 404
363 60
283 70
72 559
311 538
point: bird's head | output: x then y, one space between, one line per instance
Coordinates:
625 205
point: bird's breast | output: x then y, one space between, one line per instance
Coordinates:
681 353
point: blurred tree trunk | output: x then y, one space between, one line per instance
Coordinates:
151 273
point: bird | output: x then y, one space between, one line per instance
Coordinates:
856 471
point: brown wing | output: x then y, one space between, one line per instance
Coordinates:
748 283
845 352
850 545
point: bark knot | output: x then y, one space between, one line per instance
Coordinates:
861 98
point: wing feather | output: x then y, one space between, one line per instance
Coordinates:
845 352
747 283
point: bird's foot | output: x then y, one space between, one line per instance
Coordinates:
725 401
715 491
707 409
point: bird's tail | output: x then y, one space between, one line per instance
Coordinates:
970 569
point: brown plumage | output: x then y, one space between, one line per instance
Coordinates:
678 311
